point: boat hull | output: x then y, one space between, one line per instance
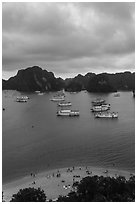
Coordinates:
22 99
108 115
64 104
69 113
94 109
57 99
98 102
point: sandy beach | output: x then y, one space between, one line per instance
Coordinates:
58 181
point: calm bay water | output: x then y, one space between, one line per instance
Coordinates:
55 142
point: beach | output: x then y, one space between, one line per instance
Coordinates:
58 181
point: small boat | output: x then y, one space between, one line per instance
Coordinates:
106 105
37 91
62 104
40 94
21 99
25 97
106 115
57 98
73 92
98 102
103 105
100 108
117 95
68 113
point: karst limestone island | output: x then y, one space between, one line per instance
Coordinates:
37 79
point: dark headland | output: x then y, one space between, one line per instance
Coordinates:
35 78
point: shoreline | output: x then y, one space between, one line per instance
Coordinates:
59 181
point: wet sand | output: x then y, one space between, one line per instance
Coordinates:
58 181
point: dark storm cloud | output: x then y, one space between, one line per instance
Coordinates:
68 37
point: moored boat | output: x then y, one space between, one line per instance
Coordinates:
22 98
62 104
73 92
100 108
98 102
57 98
117 95
40 94
106 115
68 113
105 105
37 91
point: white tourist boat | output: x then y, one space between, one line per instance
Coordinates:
37 91
73 92
100 108
117 95
40 94
106 115
57 98
98 102
68 113
64 104
106 105
22 98
25 97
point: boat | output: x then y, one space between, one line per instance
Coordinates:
103 105
68 113
117 95
37 91
106 105
106 115
40 94
73 92
25 97
100 108
62 104
98 102
57 98
21 99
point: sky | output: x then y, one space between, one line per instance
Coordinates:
68 38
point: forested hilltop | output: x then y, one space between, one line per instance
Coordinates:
103 82
35 78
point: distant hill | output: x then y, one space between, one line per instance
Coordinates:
101 82
35 78
78 83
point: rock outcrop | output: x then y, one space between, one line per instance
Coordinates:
33 79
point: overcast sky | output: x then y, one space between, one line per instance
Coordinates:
68 38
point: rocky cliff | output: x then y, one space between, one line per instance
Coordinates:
33 79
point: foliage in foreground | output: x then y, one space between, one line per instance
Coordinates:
89 189
29 195
102 189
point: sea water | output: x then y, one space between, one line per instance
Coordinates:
35 139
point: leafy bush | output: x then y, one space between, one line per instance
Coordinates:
29 195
